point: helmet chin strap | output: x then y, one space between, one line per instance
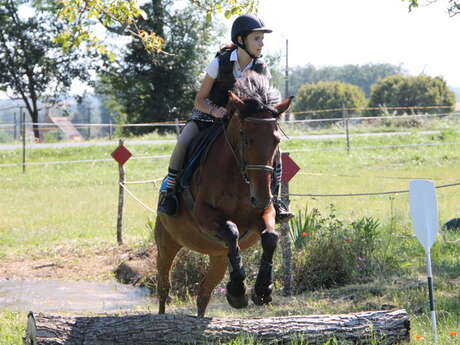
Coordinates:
243 46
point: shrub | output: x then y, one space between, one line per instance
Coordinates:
188 271
328 95
329 252
419 93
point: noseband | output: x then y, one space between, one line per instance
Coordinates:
243 165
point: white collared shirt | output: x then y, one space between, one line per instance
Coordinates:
213 67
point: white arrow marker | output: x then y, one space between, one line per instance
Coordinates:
424 212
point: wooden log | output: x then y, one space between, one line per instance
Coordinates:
389 327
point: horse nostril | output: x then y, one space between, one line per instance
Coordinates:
253 201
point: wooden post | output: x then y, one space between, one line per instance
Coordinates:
89 123
347 132
286 243
121 200
348 135
177 127
23 130
15 127
110 129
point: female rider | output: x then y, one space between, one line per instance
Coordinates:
244 54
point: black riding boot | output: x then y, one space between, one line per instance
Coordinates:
283 215
168 202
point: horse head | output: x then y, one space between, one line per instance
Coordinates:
256 143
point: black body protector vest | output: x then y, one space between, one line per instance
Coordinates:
225 79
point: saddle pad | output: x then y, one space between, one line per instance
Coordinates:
164 185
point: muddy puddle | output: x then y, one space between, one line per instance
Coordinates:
77 296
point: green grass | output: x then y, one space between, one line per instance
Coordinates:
53 205
12 328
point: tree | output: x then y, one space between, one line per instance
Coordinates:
453 6
121 17
326 95
360 75
422 93
31 65
142 90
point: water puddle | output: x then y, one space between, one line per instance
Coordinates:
77 296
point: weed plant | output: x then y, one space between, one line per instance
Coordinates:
329 252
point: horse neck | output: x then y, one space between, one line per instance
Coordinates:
233 132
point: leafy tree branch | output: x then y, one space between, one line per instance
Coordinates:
122 17
453 6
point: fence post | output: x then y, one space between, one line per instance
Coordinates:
15 135
177 127
348 135
110 129
286 243
23 130
121 199
347 132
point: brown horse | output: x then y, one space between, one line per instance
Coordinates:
232 194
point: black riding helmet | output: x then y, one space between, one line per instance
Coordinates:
246 24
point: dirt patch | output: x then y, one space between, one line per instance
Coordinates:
70 262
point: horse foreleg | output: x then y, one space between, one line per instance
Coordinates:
167 249
236 291
214 275
261 294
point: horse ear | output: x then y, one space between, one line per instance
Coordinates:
284 105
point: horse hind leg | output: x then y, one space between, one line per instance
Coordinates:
261 293
167 249
214 275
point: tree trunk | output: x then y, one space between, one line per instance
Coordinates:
388 327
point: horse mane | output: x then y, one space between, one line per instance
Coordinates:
255 91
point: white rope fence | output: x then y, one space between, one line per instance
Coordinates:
154 181
377 147
145 181
81 161
368 194
131 194
359 176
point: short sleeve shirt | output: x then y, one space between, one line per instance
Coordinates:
213 67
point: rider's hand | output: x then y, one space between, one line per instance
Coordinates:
219 112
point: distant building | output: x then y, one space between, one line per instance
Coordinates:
68 114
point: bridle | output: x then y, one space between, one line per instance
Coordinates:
243 165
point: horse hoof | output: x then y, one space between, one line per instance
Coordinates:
260 300
237 302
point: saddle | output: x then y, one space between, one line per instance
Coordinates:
197 150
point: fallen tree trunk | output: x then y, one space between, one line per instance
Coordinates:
389 327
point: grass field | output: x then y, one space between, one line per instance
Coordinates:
74 205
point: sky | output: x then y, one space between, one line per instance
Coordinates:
339 32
